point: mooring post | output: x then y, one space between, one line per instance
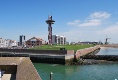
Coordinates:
51 76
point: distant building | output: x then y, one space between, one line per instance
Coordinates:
35 42
58 39
22 40
71 43
12 43
7 43
88 42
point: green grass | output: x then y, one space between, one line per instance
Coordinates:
57 47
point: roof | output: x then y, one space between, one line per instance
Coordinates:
38 39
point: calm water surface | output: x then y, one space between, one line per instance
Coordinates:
77 72
81 72
108 51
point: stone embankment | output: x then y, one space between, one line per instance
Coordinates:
82 52
98 59
86 51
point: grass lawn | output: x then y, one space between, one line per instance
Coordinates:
57 47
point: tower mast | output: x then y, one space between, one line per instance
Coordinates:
50 22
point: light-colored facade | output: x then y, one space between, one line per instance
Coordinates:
7 43
58 39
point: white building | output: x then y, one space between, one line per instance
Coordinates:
1 42
58 39
7 43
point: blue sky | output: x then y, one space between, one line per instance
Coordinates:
78 20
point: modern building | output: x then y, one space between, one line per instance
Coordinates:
22 40
35 42
56 39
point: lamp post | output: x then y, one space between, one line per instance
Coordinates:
51 76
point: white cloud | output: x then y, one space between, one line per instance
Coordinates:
95 19
100 15
73 35
84 30
83 34
93 22
111 30
76 22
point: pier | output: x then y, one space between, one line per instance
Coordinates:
18 68
48 56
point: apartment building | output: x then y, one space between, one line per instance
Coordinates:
56 39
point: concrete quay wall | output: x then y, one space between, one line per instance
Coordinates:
42 56
26 70
69 57
30 51
85 51
22 67
66 58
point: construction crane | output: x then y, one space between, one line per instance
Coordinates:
106 40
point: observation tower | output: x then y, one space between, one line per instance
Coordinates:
50 22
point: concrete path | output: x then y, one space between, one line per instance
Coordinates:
9 77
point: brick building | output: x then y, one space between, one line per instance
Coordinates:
35 42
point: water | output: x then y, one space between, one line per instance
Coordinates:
78 72
81 72
108 51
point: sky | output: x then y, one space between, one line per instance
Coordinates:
78 20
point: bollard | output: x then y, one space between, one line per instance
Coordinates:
51 76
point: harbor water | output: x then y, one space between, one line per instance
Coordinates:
108 51
103 71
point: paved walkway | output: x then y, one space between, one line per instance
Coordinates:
9 77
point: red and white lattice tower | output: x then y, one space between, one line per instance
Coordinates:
50 22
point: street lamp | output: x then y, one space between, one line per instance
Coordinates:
51 76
